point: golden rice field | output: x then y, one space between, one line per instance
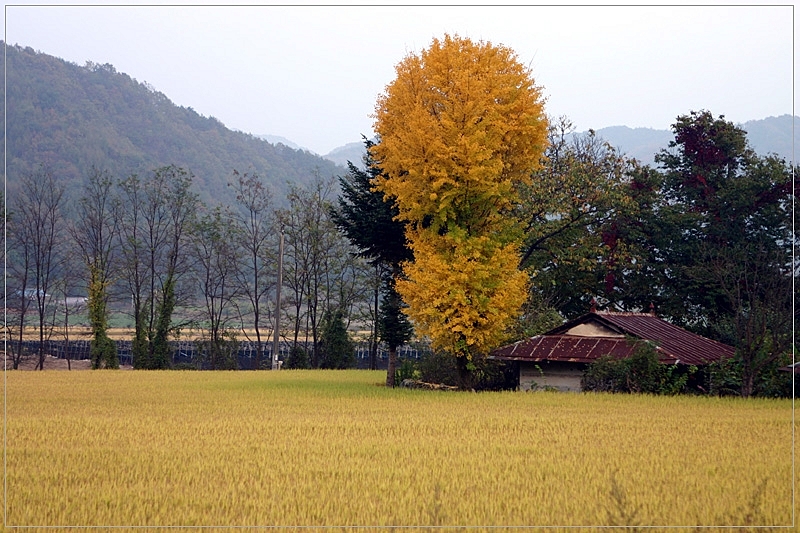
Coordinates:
336 448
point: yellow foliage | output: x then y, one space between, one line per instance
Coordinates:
97 300
334 448
462 291
460 125
460 128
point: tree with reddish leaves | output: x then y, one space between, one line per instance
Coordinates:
707 157
721 234
716 194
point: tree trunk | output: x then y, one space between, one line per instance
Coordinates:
464 374
66 333
259 343
40 364
373 353
748 383
390 371
373 349
17 356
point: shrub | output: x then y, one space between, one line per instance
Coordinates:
725 378
606 374
219 354
184 366
486 374
297 359
438 367
775 383
406 370
639 373
103 351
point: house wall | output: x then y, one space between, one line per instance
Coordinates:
592 329
561 376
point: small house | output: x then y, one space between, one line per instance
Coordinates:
557 359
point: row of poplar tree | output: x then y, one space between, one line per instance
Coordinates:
146 252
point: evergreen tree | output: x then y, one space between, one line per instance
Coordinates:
297 358
336 348
369 220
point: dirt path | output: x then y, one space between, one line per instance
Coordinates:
54 363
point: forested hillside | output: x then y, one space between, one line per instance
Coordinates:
72 117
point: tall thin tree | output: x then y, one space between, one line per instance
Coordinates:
95 230
369 221
255 234
39 227
157 213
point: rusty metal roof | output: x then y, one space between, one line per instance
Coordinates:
570 348
674 344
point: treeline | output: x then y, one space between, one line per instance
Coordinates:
705 238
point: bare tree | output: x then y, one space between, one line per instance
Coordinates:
132 258
254 222
66 304
296 265
38 239
18 270
214 250
156 215
318 268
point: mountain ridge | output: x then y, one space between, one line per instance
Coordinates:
71 117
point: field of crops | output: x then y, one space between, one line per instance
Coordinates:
336 448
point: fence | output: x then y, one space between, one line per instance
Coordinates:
185 352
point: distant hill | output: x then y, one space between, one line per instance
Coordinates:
639 143
277 139
71 117
772 135
353 152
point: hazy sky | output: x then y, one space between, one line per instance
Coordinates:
312 73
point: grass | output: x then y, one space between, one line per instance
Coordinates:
335 448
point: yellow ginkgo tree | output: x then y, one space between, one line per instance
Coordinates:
459 128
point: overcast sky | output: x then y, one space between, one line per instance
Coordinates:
312 73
